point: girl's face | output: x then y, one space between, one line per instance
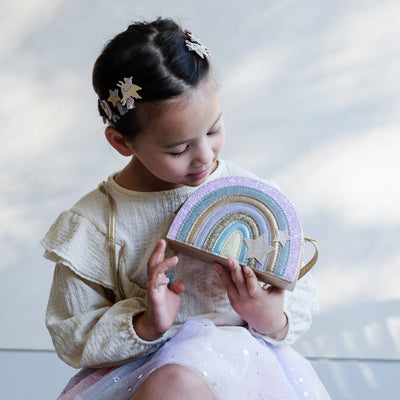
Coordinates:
182 139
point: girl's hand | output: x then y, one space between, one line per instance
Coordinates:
163 301
261 308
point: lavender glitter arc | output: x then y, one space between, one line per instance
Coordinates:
225 214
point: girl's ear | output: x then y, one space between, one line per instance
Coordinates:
118 142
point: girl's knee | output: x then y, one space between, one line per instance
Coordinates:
174 382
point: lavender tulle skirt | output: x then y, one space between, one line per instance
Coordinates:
236 366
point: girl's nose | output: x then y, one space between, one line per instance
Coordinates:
203 155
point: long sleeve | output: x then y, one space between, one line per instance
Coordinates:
87 328
300 306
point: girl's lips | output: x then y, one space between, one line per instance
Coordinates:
199 175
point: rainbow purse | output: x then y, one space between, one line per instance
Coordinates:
245 219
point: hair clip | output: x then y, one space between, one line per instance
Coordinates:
129 92
194 44
113 98
108 112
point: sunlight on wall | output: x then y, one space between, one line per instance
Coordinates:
393 325
341 86
374 334
310 95
34 148
353 180
369 376
341 380
353 176
20 18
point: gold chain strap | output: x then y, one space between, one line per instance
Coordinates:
111 236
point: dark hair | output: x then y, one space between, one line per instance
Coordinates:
155 55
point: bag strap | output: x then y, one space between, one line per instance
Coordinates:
111 238
313 260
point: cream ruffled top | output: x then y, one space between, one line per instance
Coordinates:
90 324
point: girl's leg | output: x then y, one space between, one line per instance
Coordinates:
172 382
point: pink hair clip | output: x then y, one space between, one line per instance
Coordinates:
194 44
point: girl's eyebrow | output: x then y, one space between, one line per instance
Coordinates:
170 146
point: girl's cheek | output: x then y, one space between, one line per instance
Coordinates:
220 145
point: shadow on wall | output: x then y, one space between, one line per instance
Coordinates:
368 335
367 330
355 379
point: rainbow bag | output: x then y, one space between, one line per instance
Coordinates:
245 219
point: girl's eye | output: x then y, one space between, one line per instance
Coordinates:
180 153
212 133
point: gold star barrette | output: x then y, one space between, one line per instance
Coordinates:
194 44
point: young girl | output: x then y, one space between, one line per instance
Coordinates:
207 332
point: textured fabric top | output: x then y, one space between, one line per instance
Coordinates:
88 325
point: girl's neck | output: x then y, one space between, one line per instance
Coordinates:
135 176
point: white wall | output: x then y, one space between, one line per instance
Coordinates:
311 97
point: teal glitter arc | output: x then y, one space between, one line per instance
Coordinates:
236 190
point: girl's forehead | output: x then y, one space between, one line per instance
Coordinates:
205 91
194 107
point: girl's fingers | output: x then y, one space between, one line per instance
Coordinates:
236 273
161 268
242 280
157 263
225 276
157 281
177 286
252 282
158 253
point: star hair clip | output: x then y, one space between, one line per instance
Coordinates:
194 44
129 92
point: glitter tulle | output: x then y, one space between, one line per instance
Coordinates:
234 363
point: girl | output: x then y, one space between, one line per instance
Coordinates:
207 332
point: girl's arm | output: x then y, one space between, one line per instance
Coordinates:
88 329
276 315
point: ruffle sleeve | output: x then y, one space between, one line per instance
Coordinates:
87 327
76 242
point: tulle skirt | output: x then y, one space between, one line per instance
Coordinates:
236 366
